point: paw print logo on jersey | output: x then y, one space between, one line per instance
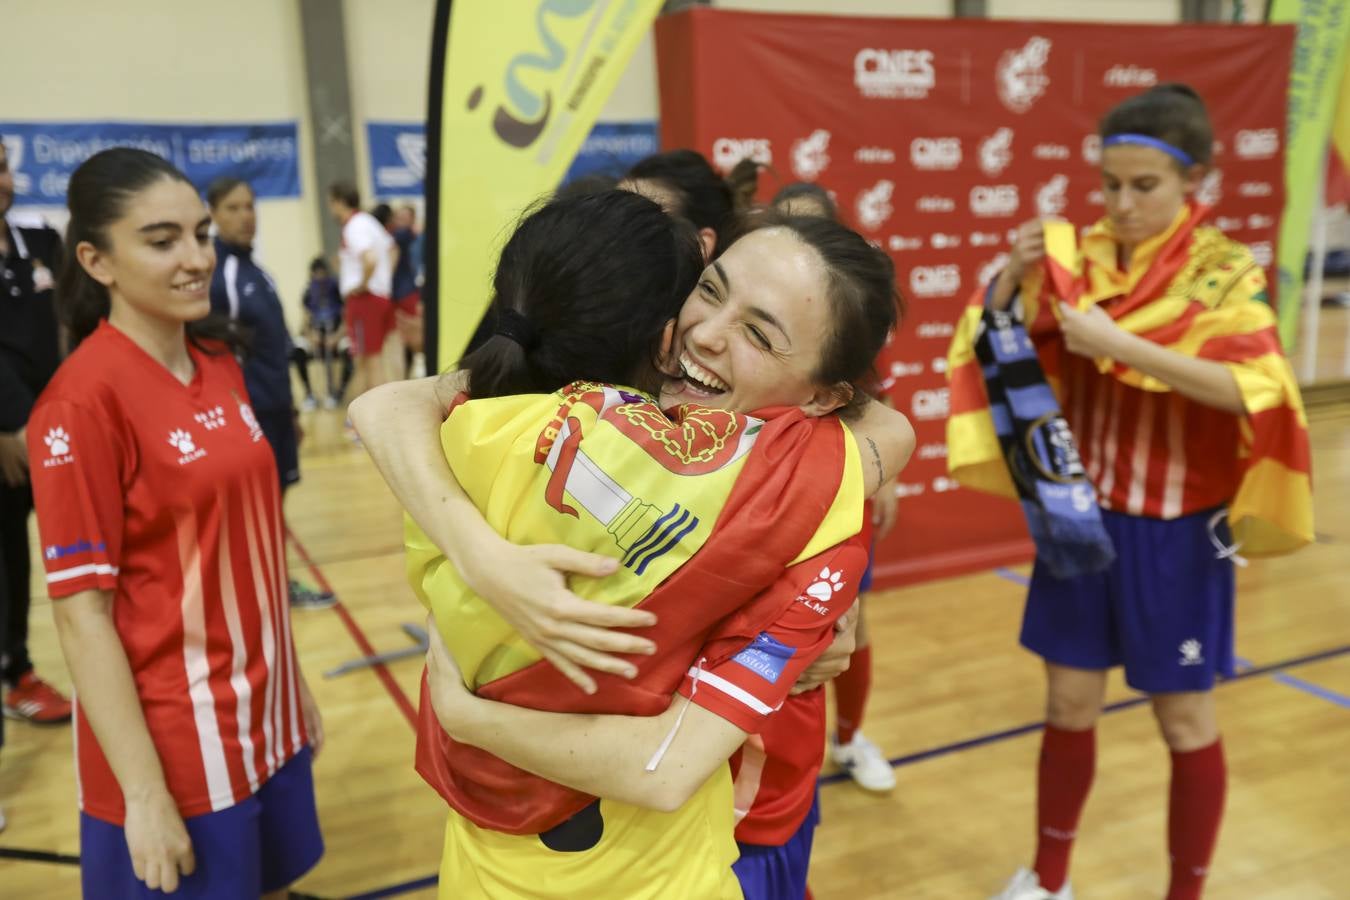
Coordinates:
182 441
1190 653
57 441
823 589
58 448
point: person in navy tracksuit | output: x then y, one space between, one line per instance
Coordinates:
241 289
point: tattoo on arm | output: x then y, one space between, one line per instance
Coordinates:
876 459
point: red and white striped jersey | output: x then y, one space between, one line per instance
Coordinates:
1148 453
166 496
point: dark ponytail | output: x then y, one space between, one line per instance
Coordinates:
808 191
583 292
100 191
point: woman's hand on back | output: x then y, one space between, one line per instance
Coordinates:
527 586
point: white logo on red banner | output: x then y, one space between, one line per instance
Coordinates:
942 484
1050 151
1096 197
939 365
929 405
989 200
935 204
989 271
1263 253
729 151
810 156
903 490
1227 223
933 451
1255 189
1210 191
1257 220
894 74
906 370
874 155
900 242
930 154
874 205
941 241
1020 77
996 152
1130 77
983 239
1092 149
935 281
935 329
1258 143
1050 197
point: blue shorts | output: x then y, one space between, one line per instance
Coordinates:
1164 609
278 426
779 873
263 844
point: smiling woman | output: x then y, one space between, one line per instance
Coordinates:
195 727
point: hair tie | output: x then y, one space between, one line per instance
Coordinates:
513 325
1143 140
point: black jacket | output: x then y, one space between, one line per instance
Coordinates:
30 348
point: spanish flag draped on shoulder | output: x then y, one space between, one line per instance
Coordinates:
704 510
515 88
1150 451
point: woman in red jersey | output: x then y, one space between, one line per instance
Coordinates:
160 518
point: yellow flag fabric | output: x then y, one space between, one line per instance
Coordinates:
516 87
1193 291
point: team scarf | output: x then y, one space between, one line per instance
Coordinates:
1193 291
705 510
1057 499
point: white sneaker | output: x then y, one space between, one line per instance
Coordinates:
309 404
864 762
1026 885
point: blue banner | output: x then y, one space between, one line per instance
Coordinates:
43 155
398 153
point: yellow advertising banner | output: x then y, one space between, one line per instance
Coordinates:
515 87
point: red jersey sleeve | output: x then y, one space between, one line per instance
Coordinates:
747 688
76 464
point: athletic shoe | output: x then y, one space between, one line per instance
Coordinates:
309 404
308 598
1026 885
330 403
864 762
36 701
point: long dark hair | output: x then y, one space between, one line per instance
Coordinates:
705 198
583 291
100 191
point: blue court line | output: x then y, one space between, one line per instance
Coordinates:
1306 687
1309 688
1015 577
394 890
1247 671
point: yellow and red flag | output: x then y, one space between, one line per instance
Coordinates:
1194 292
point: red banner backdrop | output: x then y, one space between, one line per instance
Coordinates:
940 137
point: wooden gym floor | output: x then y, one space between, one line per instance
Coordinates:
955 701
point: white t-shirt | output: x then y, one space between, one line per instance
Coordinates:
360 234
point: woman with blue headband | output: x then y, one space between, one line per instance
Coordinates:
1175 412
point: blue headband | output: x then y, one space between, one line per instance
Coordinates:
1144 140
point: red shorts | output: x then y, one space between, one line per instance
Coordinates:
410 304
370 319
